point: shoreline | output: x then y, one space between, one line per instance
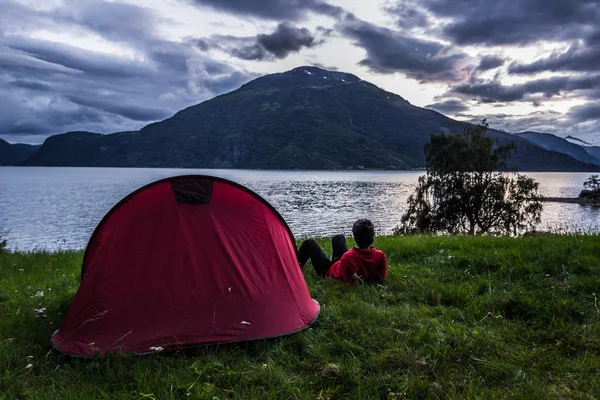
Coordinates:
572 200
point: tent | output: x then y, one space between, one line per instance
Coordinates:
187 260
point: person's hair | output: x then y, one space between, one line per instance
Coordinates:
364 233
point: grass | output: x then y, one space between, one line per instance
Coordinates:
426 334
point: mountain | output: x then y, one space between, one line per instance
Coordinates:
82 149
12 154
306 118
561 145
594 151
578 141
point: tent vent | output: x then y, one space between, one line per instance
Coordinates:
192 191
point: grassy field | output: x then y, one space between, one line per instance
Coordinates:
458 317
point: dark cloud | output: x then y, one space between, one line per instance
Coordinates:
203 44
389 51
542 121
327 67
13 60
120 22
511 22
50 87
408 14
94 63
450 106
114 105
17 16
31 85
490 62
292 10
324 8
524 22
491 92
222 83
43 115
579 57
585 112
252 52
285 39
514 22
538 121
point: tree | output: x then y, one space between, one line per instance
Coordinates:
2 241
592 183
468 189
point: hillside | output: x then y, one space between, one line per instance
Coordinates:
593 151
306 118
81 149
555 143
11 154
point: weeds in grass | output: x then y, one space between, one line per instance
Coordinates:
458 317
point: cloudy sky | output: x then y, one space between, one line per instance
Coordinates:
108 66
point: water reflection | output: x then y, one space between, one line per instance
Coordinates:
50 208
329 207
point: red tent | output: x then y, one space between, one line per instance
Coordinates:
183 261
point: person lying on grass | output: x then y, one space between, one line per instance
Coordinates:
365 263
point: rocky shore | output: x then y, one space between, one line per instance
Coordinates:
586 198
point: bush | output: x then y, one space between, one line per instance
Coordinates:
465 190
592 183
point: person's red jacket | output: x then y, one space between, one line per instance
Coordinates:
367 264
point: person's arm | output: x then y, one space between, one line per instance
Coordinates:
348 271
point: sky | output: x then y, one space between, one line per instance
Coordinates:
109 66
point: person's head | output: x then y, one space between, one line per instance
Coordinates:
364 233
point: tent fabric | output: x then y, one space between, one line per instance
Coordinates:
186 261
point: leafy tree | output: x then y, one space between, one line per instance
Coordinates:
466 191
592 183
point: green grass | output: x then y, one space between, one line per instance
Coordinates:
425 334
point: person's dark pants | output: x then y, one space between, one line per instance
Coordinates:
310 249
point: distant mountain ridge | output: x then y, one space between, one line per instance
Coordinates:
589 147
306 118
561 145
593 151
82 149
577 141
14 154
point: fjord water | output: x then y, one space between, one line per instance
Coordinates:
58 208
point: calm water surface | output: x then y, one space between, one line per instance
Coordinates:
58 208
